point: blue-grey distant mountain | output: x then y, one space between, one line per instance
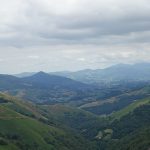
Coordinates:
10 82
120 72
24 74
45 80
42 87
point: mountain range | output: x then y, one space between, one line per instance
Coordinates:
47 111
119 72
42 87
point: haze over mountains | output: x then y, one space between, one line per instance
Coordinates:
40 80
25 125
126 72
64 97
42 87
105 109
77 87
118 72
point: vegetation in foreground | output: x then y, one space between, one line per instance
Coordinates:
24 129
25 125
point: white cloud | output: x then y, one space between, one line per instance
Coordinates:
81 59
33 57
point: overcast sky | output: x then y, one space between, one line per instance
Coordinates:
56 35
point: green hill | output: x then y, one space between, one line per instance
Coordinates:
79 120
26 126
132 131
23 127
129 109
129 129
139 140
118 102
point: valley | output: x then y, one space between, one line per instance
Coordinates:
74 74
52 112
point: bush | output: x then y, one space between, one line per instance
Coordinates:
3 141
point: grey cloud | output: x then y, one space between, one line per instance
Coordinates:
41 24
63 34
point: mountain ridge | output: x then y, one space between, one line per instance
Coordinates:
119 72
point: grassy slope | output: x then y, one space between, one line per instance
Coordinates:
129 109
83 122
20 129
116 103
139 140
131 129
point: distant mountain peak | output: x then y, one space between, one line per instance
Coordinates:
41 73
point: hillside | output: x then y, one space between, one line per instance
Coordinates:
59 127
44 80
118 102
8 82
130 108
79 120
45 88
24 128
137 141
133 128
129 130
66 114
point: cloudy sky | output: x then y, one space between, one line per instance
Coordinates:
56 35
